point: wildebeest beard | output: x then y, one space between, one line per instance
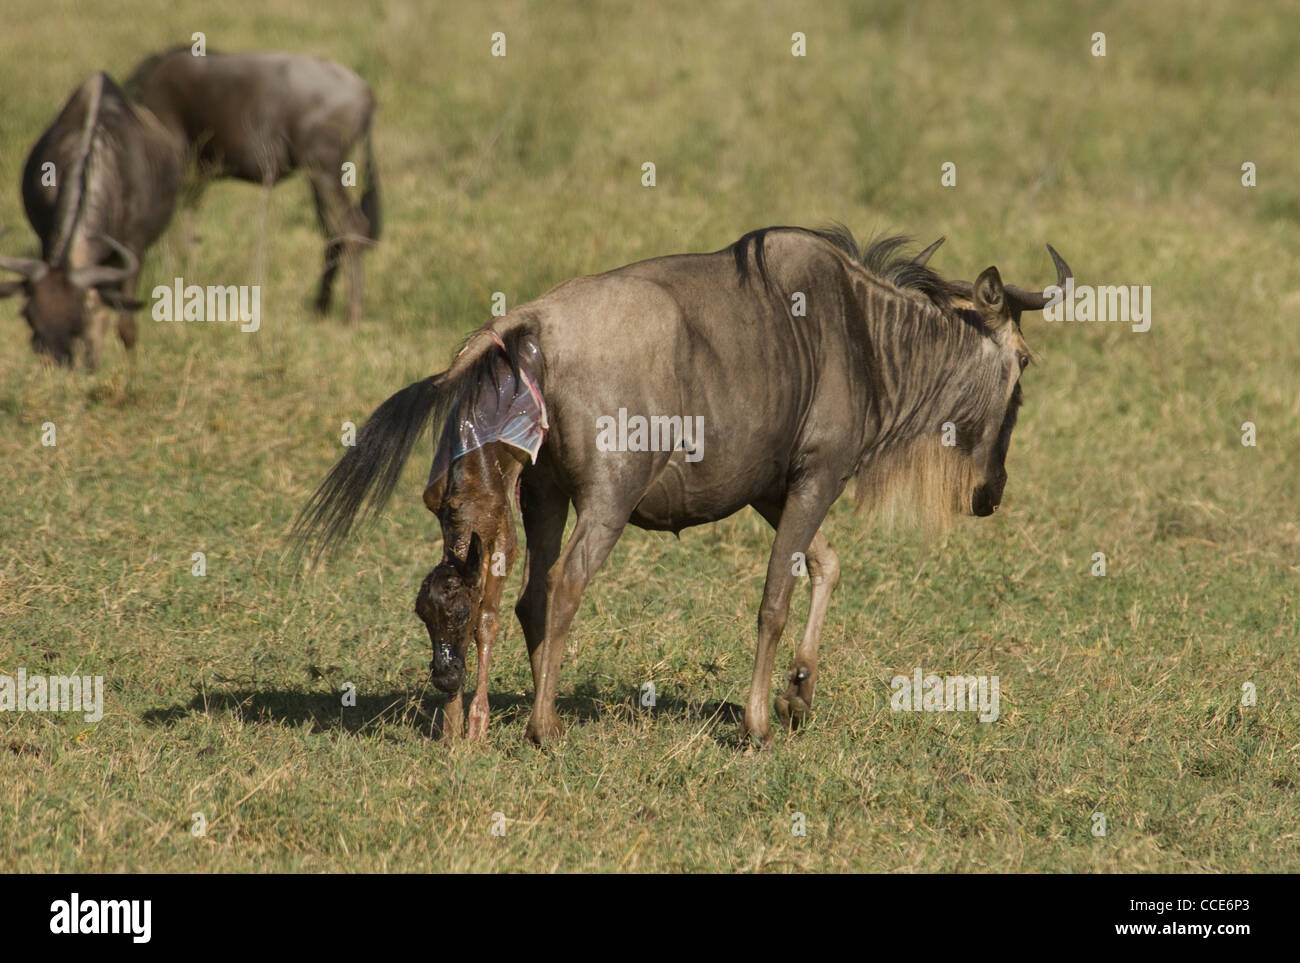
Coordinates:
933 397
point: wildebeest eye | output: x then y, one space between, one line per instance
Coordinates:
1023 357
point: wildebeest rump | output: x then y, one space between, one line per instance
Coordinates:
886 362
260 116
98 188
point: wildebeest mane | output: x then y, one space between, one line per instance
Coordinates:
883 257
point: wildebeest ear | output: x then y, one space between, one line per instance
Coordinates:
471 568
115 300
990 299
9 288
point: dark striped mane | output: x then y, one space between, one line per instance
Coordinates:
883 257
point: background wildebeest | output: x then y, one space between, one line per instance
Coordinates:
98 189
794 405
260 116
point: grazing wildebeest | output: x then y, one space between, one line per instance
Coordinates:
811 361
98 188
260 116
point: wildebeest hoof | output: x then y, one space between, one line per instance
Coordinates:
792 709
753 741
539 734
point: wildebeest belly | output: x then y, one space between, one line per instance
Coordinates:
683 494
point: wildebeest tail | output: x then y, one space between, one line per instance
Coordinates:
362 481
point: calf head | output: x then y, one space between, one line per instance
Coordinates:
448 604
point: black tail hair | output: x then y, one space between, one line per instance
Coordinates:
362 481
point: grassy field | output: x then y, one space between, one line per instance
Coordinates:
1119 694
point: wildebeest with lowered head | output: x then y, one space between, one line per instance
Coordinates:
99 187
794 404
260 116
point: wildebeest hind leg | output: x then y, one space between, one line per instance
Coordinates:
545 509
593 536
330 205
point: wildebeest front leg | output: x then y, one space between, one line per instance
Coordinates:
823 575
191 194
96 315
800 519
126 318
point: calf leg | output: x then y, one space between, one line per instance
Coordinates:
488 624
453 716
501 550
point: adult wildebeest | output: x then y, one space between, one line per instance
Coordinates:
98 188
260 116
810 360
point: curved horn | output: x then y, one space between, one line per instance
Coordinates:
1036 300
924 256
28 267
98 274
1019 298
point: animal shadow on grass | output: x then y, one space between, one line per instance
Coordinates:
422 710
